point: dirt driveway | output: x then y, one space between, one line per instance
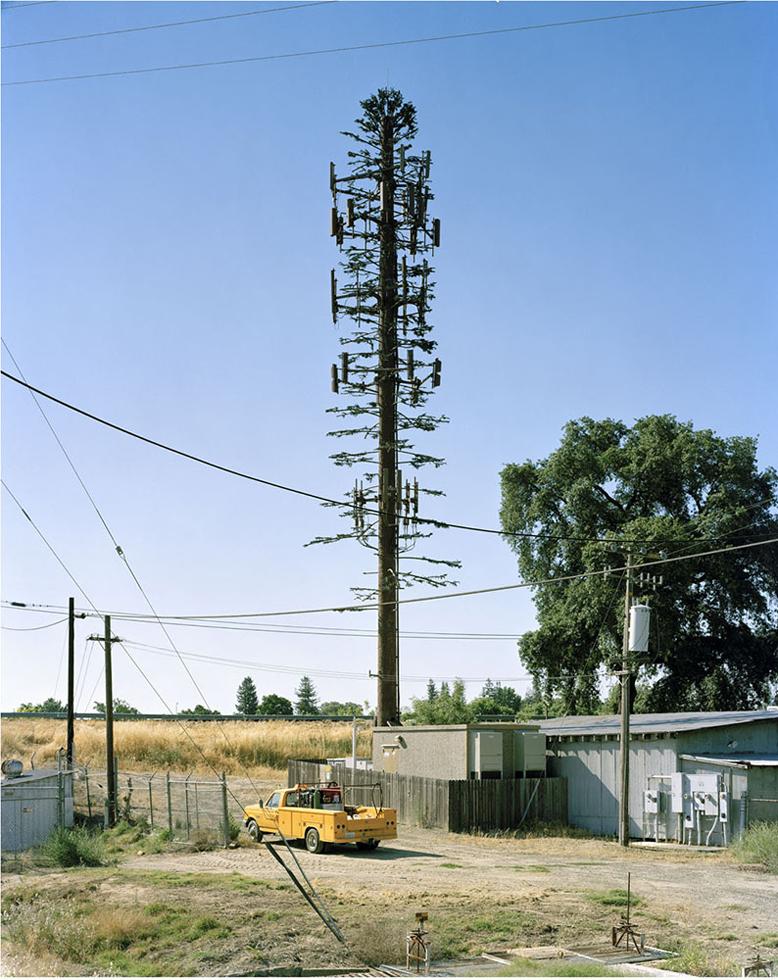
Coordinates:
677 887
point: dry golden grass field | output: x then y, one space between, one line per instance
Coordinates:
260 747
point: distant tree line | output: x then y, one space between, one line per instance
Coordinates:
306 702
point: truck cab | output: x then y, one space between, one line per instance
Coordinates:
318 815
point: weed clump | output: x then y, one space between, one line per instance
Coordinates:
759 845
72 847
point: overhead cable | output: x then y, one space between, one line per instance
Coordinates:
171 23
370 46
29 629
231 471
120 552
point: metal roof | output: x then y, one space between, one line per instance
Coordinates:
758 760
673 721
29 776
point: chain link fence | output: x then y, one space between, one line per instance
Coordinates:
186 807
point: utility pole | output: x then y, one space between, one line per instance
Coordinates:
626 690
72 617
384 230
110 800
71 678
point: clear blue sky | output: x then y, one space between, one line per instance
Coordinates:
608 201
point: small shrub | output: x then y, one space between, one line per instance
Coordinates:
235 829
204 840
71 847
696 959
759 845
379 941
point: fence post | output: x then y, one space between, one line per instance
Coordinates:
186 804
169 804
151 806
115 787
129 799
60 798
225 811
88 795
197 807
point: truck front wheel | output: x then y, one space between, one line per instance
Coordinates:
313 842
253 831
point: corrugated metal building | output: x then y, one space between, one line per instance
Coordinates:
738 747
33 805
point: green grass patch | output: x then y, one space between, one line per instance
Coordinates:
525 967
758 845
695 958
449 865
769 939
534 868
614 897
73 847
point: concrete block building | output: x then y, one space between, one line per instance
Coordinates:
476 751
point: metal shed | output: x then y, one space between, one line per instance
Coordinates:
33 805
737 749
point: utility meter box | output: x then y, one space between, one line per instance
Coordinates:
487 755
529 753
651 801
723 807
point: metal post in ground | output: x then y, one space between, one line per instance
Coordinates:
88 796
116 789
197 807
169 804
60 798
151 806
225 810
186 804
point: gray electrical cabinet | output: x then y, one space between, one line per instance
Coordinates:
487 755
529 754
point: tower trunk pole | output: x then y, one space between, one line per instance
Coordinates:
386 386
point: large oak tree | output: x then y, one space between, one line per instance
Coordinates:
676 490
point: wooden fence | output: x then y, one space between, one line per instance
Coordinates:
458 805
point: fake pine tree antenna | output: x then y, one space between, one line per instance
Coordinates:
387 368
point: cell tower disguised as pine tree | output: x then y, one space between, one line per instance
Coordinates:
387 368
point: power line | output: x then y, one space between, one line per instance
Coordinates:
313 898
432 522
46 542
18 6
320 672
29 629
360 607
172 23
370 46
123 557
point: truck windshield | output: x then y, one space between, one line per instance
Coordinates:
272 803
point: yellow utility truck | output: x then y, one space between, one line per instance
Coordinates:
319 816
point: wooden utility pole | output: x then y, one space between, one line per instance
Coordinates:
72 617
71 678
388 692
110 762
626 691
